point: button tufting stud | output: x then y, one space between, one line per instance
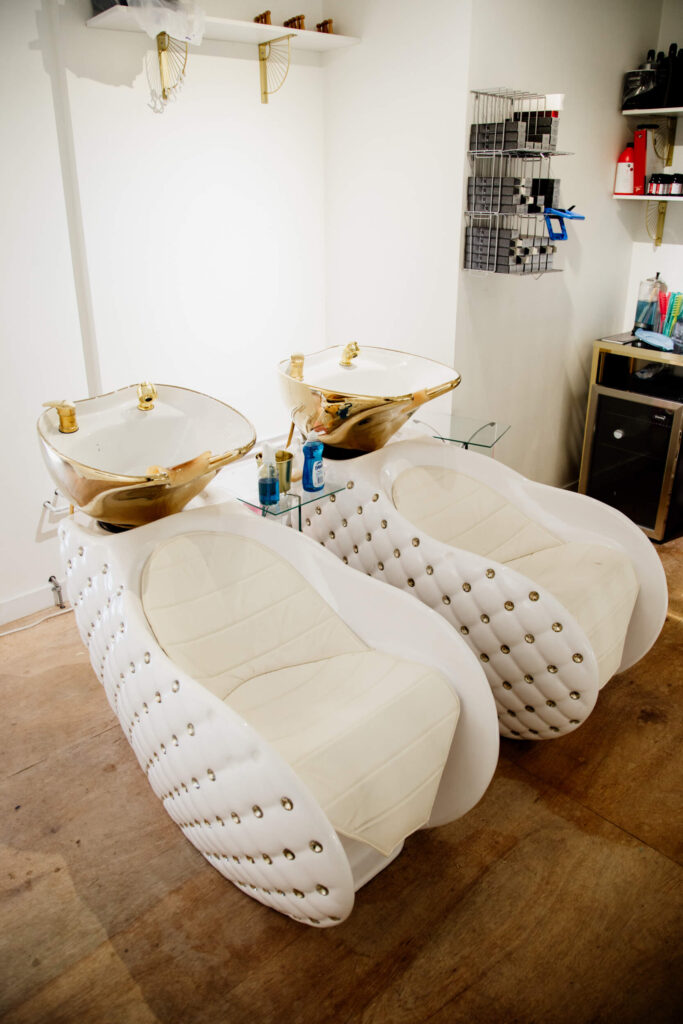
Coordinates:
175 685
323 890
318 510
528 678
509 606
429 570
355 549
464 630
256 811
383 524
553 728
573 721
397 553
578 658
557 627
552 669
359 510
551 704
446 599
368 536
308 522
288 854
484 657
529 707
375 497
575 695
534 732
345 560
331 534
533 596
212 775
287 803
513 732
298 893
190 728
467 587
350 485
235 817
266 858
504 649
345 522
410 582
333 498
511 712
380 566
195 783
416 542
506 685
316 846
157 697
490 573
529 638
484 617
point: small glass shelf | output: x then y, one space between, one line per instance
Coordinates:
244 486
467 431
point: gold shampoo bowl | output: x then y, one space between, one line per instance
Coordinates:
126 467
359 403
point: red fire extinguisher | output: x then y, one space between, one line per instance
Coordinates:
623 179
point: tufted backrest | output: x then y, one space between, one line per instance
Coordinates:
464 513
227 608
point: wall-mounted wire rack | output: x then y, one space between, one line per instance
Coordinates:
513 138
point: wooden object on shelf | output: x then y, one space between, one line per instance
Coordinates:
325 26
263 19
298 22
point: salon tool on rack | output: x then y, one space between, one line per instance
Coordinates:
551 214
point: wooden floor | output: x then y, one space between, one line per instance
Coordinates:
557 899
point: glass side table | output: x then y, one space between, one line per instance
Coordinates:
245 489
467 431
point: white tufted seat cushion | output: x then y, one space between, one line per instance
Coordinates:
596 584
367 732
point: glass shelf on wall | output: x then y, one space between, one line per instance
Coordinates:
468 431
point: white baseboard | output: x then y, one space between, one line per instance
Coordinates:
26 604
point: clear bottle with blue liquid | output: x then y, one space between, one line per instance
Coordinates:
313 478
268 479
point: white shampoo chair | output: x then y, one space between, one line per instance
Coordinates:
298 721
553 591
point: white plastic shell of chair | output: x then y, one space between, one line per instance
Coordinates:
232 795
538 661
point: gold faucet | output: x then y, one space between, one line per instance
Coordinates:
147 396
296 366
350 352
67 416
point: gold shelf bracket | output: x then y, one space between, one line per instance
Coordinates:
274 58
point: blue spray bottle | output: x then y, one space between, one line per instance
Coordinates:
268 480
313 475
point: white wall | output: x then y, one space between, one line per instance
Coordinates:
40 336
197 236
523 346
395 119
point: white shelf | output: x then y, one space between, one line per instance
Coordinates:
122 19
654 112
651 199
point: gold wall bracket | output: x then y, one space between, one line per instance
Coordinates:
666 134
273 58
